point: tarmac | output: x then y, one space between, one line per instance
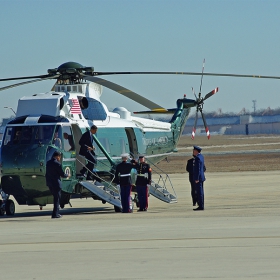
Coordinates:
236 237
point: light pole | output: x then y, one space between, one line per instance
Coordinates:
10 109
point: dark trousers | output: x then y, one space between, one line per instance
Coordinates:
90 166
142 192
193 193
56 198
125 198
199 194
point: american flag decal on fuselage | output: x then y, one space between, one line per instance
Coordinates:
75 108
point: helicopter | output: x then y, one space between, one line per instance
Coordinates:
56 120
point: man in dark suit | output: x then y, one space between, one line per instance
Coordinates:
53 174
87 150
198 176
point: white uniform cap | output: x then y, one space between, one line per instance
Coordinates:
125 155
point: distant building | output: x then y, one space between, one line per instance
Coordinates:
233 125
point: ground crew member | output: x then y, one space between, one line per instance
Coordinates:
189 168
198 176
87 150
144 178
123 179
53 173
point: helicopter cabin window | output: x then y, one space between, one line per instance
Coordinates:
68 140
105 143
122 145
95 111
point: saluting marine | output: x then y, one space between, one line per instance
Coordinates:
144 178
123 179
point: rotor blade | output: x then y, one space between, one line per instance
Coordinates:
27 82
194 93
187 73
199 94
194 127
25 78
124 91
205 124
209 94
157 111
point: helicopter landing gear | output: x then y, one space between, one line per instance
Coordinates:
117 209
6 205
2 208
10 207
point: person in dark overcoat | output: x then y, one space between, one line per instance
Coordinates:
189 169
54 173
198 176
87 150
144 178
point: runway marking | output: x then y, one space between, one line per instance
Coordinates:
139 240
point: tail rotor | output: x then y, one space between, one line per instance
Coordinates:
199 105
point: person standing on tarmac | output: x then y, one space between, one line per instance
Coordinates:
144 178
53 174
189 169
87 150
123 179
198 176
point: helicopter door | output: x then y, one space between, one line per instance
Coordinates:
69 157
77 134
133 148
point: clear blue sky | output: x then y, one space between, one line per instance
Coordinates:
238 36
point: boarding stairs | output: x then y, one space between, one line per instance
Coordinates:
102 186
158 188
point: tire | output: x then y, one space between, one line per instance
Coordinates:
2 210
10 207
117 209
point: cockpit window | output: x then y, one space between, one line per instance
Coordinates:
24 135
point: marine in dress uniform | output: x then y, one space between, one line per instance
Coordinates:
123 178
87 150
144 178
53 174
198 176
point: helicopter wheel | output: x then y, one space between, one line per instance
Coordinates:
10 207
2 210
117 209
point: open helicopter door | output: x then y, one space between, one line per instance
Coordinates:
133 147
69 157
77 134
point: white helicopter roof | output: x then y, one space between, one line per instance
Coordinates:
39 104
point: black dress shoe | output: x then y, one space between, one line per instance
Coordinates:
198 209
57 217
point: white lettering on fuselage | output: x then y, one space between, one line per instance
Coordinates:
155 141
